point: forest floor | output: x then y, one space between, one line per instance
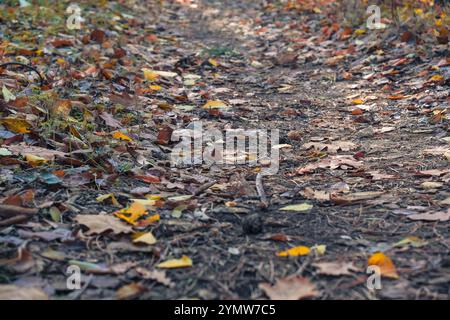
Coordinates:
86 178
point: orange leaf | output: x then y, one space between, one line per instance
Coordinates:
385 264
149 179
294 252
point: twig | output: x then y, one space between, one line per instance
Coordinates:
7 210
204 187
85 286
260 189
3 65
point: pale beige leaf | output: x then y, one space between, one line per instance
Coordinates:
98 224
290 288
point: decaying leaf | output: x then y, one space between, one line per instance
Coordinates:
157 275
335 268
99 224
293 287
12 292
431 216
130 291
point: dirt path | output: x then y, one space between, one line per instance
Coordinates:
362 171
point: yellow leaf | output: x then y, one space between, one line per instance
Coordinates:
132 213
385 264
153 196
294 252
357 101
359 32
155 87
121 136
184 262
213 62
8 95
146 238
107 196
17 125
214 104
146 202
35 160
320 249
436 78
298 207
150 75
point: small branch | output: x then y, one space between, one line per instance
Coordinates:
260 189
3 65
82 290
204 187
7 210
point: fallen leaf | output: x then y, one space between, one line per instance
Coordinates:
431 216
130 291
35 160
214 104
293 287
294 252
131 214
431 185
7 95
184 262
298 207
99 224
157 275
12 292
16 125
387 267
335 268
121 136
23 149
147 238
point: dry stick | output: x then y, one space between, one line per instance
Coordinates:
3 65
260 189
7 210
82 290
204 187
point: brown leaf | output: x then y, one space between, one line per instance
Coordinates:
98 35
431 216
7 210
164 135
59 43
335 268
290 288
98 224
149 179
110 121
23 149
157 275
12 292
130 291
